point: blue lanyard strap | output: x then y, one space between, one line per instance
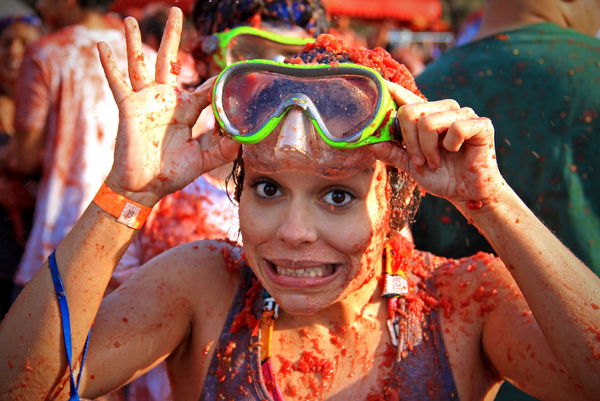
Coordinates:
66 323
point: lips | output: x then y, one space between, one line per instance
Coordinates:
301 274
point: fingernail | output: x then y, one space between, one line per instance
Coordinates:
418 160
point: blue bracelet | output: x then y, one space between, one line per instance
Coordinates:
66 323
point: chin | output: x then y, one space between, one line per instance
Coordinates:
295 304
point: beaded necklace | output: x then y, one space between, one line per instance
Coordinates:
395 286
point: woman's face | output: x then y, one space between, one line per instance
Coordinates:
311 240
13 41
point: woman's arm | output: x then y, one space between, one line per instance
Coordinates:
176 301
154 155
563 294
450 152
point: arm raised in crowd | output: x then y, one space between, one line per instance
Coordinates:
155 155
450 152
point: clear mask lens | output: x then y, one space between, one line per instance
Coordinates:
344 103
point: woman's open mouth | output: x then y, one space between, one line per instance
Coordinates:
301 275
321 271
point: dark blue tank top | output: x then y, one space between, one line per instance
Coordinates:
235 371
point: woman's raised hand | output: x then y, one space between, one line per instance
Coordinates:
155 153
448 150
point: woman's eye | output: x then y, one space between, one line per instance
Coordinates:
338 197
267 190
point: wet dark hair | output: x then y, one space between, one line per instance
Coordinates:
212 16
405 194
236 178
404 200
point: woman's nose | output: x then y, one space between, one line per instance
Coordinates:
298 226
296 134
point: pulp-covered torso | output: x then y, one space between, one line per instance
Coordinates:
336 357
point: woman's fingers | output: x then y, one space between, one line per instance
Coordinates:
138 72
477 131
202 93
402 95
432 126
422 135
392 153
225 152
408 118
118 86
167 63
448 150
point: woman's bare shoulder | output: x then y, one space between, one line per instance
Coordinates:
477 296
199 272
175 301
217 259
472 287
479 269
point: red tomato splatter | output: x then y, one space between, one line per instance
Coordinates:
287 366
388 355
311 363
245 317
175 67
446 303
230 264
208 347
474 205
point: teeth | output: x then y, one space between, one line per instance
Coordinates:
311 272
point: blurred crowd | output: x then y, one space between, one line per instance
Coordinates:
58 123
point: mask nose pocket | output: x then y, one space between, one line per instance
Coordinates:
295 137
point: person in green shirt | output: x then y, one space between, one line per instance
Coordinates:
534 69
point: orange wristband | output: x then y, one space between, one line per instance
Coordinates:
127 212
